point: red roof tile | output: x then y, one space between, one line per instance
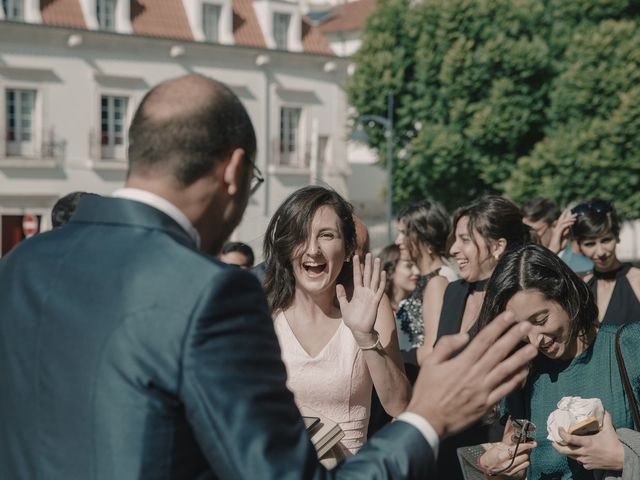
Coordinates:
246 29
160 18
313 41
167 18
64 13
348 16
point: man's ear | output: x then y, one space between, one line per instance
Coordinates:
234 174
498 247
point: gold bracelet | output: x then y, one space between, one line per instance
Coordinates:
375 346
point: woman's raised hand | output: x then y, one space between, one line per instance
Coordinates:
360 313
560 230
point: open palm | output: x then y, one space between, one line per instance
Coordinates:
359 313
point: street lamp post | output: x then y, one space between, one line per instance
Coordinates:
361 135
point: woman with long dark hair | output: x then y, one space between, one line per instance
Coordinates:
334 324
576 359
482 232
616 285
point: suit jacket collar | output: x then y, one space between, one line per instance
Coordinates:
108 210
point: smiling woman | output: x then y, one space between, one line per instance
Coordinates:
334 324
616 285
577 359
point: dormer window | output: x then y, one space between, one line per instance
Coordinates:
281 22
211 13
13 9
210 20
106 14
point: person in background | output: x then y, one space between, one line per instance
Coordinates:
362 238
334 325
482 232
576 359
616 285
237 253
402 274
64 208
423 228
543 216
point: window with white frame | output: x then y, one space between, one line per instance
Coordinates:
281 22
211 13
106 14
290 145
13 9
19 122
113 118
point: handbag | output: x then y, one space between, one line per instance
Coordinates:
626 383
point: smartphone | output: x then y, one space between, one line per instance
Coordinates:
588 426
310 422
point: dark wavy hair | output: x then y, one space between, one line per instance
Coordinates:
389 258
534 267
290 228
540 208
427 222
592 224
493 217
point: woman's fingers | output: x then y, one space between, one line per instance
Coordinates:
357 271
380 291
366 277
375 275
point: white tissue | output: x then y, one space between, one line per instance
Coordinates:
571 411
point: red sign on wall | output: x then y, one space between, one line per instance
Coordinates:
30 225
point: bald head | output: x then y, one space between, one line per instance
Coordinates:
184 126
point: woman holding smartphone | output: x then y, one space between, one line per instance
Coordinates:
576 359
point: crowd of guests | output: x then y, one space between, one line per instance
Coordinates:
444 275
126 343
450 274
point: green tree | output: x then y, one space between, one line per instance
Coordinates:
592 146
523 97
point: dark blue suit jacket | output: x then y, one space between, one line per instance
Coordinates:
127 354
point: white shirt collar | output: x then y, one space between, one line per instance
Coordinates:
162 204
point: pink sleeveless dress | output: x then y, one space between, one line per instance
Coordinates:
336 382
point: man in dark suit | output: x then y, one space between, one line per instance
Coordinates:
126 353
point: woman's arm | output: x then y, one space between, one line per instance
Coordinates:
369 317
634 280
385 365
432 300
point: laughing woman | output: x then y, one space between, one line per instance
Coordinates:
334 324
616 285
577 358
482 232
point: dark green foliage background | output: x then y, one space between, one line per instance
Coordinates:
517 97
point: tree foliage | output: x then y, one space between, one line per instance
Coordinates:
520 97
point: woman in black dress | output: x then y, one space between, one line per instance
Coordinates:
482 232
616 285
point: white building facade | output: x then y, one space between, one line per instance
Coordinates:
73 73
